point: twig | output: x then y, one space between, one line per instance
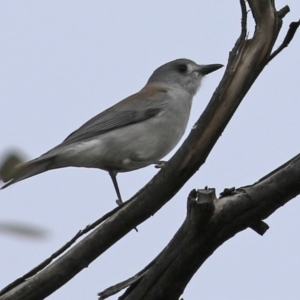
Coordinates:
47 261
289 36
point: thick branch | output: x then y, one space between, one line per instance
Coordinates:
208 225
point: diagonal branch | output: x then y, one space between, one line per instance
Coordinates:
209 223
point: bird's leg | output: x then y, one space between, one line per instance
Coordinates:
113 176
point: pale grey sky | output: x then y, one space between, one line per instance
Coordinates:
62 62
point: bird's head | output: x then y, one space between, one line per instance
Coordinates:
182 72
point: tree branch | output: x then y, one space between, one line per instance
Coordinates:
209 223
288 38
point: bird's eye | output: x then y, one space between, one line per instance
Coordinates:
182 68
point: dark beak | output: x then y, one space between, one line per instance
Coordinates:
206 69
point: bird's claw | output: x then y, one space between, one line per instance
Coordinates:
160 164
119 202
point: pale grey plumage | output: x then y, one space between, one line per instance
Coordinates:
135 132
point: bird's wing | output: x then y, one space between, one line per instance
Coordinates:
134 109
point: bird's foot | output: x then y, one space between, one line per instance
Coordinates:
160 164
119 202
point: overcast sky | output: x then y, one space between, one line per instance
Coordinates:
62 62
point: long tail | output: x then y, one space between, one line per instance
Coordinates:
27 170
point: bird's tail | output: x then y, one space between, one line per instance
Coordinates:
25 170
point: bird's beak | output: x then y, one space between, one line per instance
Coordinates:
206 69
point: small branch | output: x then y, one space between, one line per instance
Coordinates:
244 19
56 254
283 12
288 38
260 227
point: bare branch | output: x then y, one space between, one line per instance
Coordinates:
206 228
66 246
288 38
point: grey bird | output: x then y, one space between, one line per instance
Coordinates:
134 133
